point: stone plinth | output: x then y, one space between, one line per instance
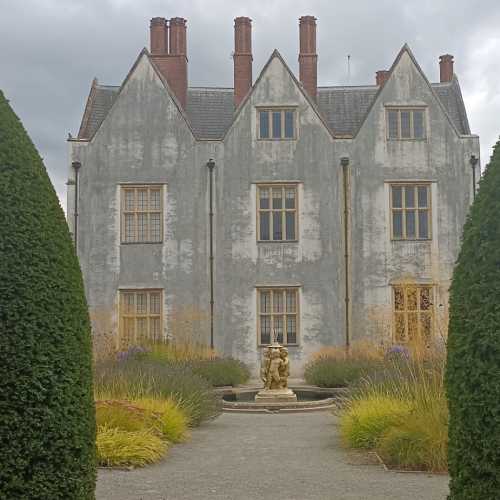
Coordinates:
276 396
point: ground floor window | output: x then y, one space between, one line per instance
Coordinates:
140 316
413 312
278 315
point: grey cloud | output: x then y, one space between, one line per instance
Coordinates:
51 50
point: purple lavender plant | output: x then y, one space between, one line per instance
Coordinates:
133 352
397 353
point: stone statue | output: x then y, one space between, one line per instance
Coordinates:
274 372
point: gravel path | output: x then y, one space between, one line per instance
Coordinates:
267 457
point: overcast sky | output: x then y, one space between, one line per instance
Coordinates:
50 50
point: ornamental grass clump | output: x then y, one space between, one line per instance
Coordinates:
116 447
143 379
221 371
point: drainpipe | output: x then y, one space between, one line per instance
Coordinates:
76 167
344 162
473 161
211 166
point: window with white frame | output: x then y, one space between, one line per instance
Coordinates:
406 123
142 214
278 310
276 123
410 211
140 316
277 212
413 312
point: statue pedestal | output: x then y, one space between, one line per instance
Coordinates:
276 396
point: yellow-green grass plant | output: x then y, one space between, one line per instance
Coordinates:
365 420
118 448
123 415
171 420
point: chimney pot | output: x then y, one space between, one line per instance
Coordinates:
308 59
381 77
446 68
242 58
158 35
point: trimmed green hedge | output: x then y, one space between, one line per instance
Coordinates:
47 424
473 369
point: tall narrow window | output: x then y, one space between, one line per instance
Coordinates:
142 214
276 123
277 315
410 211
406 123
413 312
277 213
140 316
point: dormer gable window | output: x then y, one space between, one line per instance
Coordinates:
406 123
276 123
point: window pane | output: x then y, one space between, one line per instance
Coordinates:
278 328
263 197
277 198
142 199
290 225
142 303
154 303
289 124
265 329
129 199
422 196
128 302
418 125
154 328
291 330
405 125
276 124
265 302
128 333
399 327
426 325
264 124
154 199
423 224
409 196
397 224
425 299
410 224
278 306
264 226
412 325
129 227
397 196
155 227
411 299
142 328
290 198
277 229
142 227
392 119
399 299
290 301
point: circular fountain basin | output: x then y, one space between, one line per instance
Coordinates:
309 398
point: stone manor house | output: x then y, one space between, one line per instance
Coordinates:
275 209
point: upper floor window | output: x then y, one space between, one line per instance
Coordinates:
406 123
277 212
142 214
140 316
410 211
413 312
277 315
276 123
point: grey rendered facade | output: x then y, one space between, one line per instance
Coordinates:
344 262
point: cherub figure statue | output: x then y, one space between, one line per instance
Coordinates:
273 378
264 368
284 369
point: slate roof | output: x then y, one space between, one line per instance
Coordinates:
210 109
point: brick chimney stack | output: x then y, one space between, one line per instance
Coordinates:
381 77
446 68
158 30
169 52
242 58
308 59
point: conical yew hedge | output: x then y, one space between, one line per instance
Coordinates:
47 424
473 369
